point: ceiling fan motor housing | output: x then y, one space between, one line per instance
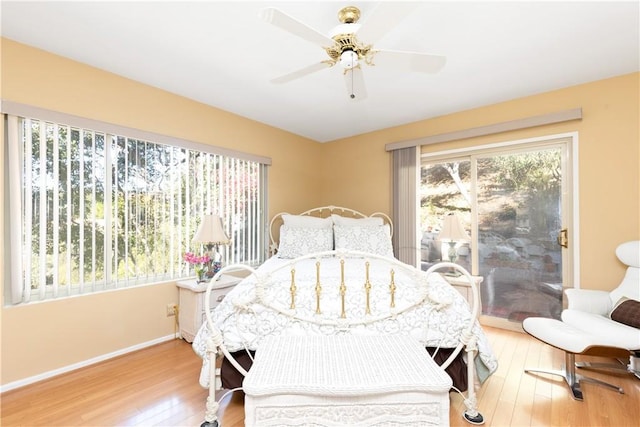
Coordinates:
345 43
347 50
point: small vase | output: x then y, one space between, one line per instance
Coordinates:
200 276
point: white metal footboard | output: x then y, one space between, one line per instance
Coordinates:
327 305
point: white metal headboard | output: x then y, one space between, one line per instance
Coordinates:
323 212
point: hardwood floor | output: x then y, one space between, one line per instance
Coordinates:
158 386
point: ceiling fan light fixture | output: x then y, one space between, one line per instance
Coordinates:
348 59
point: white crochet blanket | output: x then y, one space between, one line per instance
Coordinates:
438 321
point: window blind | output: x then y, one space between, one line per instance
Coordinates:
93 211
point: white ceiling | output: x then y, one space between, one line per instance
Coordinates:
222 54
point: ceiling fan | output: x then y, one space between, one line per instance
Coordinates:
345 44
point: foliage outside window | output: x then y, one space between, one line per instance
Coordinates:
524 186
102 211
510 203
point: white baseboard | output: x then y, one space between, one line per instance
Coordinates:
53 373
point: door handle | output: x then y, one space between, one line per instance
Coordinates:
563 238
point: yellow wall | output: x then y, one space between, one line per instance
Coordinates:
59 333
353 172
609 162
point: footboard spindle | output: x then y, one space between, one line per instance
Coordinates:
318 288
392 289
367 288
293 289
343 289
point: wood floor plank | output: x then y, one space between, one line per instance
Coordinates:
544 382
158 386
523 405
541 413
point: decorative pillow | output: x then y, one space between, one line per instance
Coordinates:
627 311
373 239
356 222
306 221
299 241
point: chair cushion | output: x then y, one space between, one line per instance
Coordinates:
627 311
559 334
617 334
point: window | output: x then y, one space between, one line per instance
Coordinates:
99 210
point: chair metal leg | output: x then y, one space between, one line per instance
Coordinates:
602 383
597 365
633 367
572 379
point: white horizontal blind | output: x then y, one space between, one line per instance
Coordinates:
101 211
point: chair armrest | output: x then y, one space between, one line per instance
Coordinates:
589 300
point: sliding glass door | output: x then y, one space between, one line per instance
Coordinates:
512 202
519 218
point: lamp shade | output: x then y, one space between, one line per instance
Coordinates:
452 229
210 231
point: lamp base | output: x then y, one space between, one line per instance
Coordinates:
452 254
213 268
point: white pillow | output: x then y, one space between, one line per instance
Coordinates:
356 222
306 221
299 241
374 239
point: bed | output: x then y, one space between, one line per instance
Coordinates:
333 273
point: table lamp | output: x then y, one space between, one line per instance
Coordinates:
211 234
452 232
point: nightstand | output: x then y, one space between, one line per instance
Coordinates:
191 308
461 284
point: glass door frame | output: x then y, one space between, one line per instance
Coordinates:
568 142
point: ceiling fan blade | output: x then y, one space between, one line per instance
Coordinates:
385 17
280 19
412 61
354 79
301 72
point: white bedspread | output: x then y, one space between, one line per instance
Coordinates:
437 322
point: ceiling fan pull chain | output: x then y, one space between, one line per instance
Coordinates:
353 95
